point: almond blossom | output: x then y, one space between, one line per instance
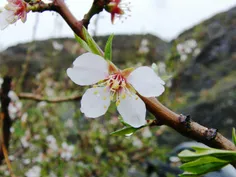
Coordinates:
116 8
13 11
67 151
112 84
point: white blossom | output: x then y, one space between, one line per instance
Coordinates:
1 80
52 142
15 105
13 11
143 48
111 84
35 171
186 48
67 151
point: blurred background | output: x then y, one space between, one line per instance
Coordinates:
194 42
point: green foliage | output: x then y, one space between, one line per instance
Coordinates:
202 165
88 44
91 43
124 131
108 48
234 136
82 43
204 160
166 77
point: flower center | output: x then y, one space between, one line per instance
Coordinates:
116 82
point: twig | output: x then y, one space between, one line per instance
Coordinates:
5 118
30 96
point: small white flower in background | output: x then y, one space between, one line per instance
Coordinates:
11 157
35 171
1 79
116 85
52 142
15 105
146 132
67 151
57 46
40 158
13 11
25 139
98 149
69 123
26 161
137 142
187 47
183 57
37 137
196 52
42 104
24 117
12 129
52 174
6 173
143 48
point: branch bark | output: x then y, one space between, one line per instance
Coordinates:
163 115
30 96
4 115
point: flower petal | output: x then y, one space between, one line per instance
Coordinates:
133 110
6 18
95 102
88 69
146 82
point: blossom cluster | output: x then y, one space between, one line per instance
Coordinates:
188 47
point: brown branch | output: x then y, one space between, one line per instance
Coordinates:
187 127
97 7
30 96
4 115
60 7
164 115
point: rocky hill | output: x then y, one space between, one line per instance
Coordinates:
207 81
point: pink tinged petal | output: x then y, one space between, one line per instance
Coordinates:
146 82
95 102
6 18
88 69
133 110
24 17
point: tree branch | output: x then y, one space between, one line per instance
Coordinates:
30 96
186 127
60 7
4 115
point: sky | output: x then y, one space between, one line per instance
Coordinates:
163 18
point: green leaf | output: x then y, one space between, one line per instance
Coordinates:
234 136
19 131
123 122
187 155
91 43
124 131
82 43
188 174
108 48
203 165
166 77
